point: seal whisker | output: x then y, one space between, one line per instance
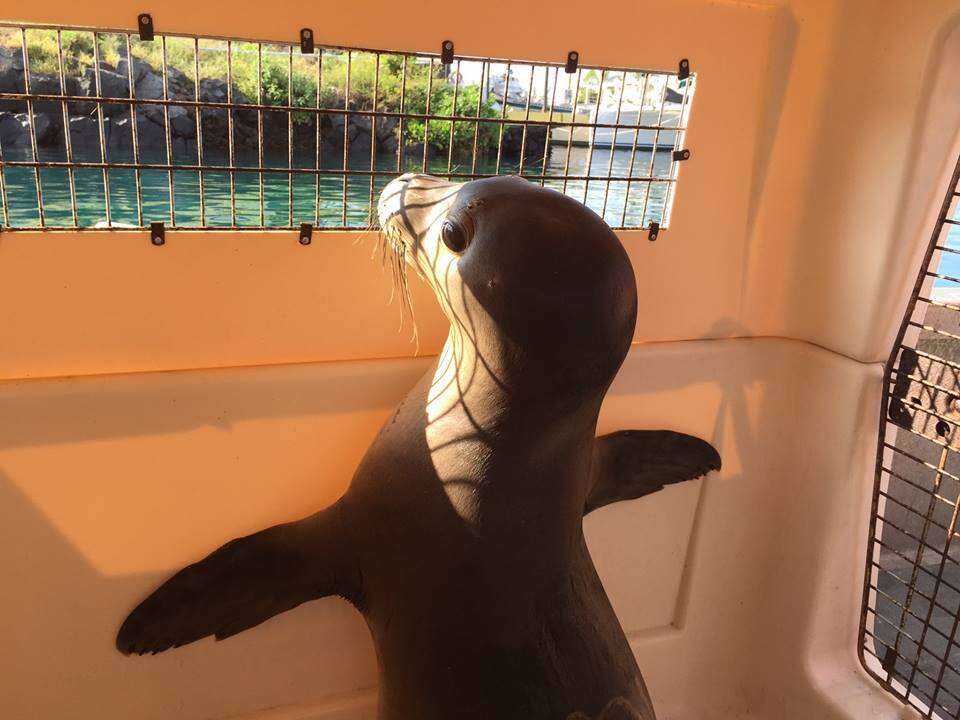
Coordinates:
393 251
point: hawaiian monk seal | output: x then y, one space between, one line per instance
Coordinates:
460 537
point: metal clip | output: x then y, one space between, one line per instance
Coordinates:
306 233
145 26
446 52
684 71
681 155
306 41
654 231
573 60
158 234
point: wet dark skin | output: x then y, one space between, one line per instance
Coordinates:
460 537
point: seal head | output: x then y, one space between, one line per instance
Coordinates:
537 282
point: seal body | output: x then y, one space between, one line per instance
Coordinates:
500 617
460 537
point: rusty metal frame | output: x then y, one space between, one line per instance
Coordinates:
909 654
534 169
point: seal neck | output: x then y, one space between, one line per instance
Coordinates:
490 386
478 422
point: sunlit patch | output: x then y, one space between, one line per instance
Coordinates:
410 211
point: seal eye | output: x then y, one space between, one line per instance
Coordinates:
454 236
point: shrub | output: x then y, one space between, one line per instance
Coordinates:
277 66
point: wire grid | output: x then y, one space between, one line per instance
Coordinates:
911 603
215 133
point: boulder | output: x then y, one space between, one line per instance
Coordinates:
359 136
15 133
215 129
386 135
85 138
150 86
11 58
119 138
112 85
513 142
45 127
44 84
214 90
179 85
151 140
14 136
141 69
182 122
387 144
11 78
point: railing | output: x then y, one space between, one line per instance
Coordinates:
100 129
911 602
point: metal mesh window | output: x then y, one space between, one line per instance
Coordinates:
911 617
100 129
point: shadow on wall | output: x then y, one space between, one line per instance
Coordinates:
106 477
124 406
107 482
63 615
773 571
697 396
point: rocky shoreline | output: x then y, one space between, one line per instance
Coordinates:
84 126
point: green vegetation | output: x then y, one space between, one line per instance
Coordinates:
286 76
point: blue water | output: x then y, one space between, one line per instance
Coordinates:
950 262
21 191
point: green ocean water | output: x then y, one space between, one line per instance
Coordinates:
21 191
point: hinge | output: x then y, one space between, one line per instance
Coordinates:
573 61
683 72
681 155
654 231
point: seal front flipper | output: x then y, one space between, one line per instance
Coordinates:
244 583
632 463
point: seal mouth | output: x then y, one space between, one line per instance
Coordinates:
410 205
408 209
